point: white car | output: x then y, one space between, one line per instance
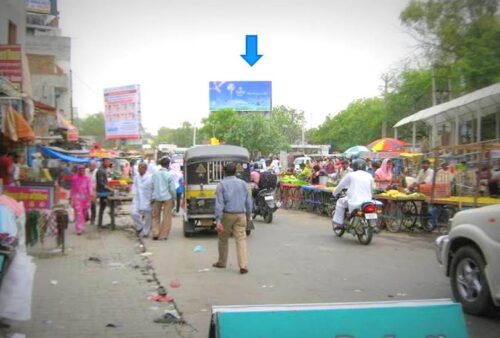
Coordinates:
470 255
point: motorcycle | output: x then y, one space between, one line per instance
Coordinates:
361 222
265 205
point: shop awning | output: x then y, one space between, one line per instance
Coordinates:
485 100
16 127
41 107
60 156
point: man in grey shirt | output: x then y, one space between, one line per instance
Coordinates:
233 209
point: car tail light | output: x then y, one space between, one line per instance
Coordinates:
370 208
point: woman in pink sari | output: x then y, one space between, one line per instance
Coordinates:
383 175
81 195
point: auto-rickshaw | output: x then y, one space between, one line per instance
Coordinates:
203 170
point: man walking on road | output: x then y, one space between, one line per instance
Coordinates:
164 195
102 188
92 172
233 209
141 204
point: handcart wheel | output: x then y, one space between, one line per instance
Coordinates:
391 216
409 214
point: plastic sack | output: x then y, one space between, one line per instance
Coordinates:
17 289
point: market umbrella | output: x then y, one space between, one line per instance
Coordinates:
386 144
356 151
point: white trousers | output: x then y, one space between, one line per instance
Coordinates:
142 219
340 207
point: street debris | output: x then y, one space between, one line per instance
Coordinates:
154 308
175 283
162 291
115 282
199 248
94 259
111 325
168 318
48 322
400 294
116 265
18 335
162 298
358 290
146 254
390 296
54 282
204 270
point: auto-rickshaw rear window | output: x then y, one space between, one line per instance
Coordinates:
212 172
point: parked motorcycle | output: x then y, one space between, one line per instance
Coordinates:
265 205
361 222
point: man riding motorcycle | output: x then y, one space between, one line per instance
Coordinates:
359 185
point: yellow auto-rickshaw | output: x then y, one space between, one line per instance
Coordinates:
203 170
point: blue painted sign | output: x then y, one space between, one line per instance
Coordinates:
241 96
413 319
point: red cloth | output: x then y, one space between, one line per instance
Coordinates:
5 168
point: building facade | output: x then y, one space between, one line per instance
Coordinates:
49 56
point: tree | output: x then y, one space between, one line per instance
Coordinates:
93 125
463 35
289 123
254 132
182 137
358 124
219 124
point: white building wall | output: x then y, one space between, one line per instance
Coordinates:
14 11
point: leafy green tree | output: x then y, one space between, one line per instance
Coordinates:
219 124
358 124
93 125
463 35
254 132
182 137
289 123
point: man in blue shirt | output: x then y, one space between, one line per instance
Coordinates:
233 209
163 200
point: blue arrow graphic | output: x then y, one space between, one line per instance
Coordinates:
251 56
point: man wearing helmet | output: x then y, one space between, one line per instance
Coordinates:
359 185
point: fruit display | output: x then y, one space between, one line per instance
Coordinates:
290 179
395 194
470 199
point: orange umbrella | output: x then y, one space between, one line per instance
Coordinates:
387 144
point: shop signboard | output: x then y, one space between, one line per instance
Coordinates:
38 6
122 112
11 64
241 96
34 198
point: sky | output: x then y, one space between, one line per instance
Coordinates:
319 54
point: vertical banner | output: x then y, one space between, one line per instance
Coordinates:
122 112
11 64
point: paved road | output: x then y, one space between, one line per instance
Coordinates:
297 259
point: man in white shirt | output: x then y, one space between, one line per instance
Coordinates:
424 176
141 204
359 185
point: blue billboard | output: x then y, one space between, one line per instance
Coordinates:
242 96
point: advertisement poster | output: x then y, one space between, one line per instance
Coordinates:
38 6
122 112
11 64
241 96
34 198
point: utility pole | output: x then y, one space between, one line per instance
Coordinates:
385 78
434 101
194 134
